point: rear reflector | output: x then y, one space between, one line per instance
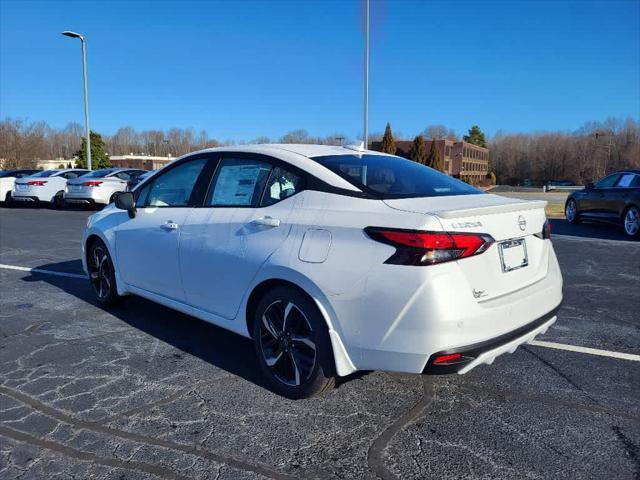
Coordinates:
93 183
446 358
37 183
415 247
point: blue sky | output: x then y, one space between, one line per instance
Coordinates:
241 69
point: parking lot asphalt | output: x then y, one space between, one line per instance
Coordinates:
140 391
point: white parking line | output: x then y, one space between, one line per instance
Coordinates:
536 343
590 351
46 272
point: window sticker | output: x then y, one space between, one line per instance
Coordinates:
236 184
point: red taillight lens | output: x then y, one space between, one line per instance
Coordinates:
546 230
444 359
93 183
414 247
37 183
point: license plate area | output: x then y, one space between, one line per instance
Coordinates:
75 188
22 186
513 254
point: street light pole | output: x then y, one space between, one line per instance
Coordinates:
366 74
86 91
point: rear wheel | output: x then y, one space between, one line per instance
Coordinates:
571 211
7 199
632 221
292 344
102 273
58 201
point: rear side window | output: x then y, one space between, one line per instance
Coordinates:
394 177
628 180
281 184
238 183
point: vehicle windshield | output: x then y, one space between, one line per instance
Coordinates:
98 173
394 177
46 173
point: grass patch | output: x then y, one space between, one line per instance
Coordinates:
554 210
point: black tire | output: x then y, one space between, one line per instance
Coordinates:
58 201
302 346
575 218
7 200
630 229
102 274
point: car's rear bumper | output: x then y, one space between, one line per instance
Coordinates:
24 198
486 352
79 200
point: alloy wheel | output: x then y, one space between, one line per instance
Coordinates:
100 272
570 211
632 221
287 343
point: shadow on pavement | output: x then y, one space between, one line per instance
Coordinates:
601 231
215 345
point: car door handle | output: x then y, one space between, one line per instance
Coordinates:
170 225
267 221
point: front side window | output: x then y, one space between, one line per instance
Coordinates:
608 182
393 177
281 184
173 188
238 183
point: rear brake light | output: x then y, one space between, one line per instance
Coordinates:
37 183
93 183
415 247
545 234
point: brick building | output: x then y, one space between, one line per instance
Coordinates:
461 159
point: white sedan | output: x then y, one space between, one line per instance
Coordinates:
7 180
332 259
46 186
100 186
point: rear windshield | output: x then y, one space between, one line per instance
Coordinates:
394 177
98 173
46 173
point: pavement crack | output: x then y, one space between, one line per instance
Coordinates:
135 437
89 457
375 456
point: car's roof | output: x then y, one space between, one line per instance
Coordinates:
300 155
630 170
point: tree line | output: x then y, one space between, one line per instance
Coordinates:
580 156
23 143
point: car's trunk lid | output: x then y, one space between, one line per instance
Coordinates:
512 223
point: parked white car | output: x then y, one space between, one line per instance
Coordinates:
332 260
7 180
100 186
46 186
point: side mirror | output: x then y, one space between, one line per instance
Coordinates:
589 186
125 201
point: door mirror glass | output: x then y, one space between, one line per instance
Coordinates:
124 201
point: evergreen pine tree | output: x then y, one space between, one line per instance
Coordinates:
418 152
476 137
388 142
434 160
99 158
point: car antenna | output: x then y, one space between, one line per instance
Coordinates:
358 147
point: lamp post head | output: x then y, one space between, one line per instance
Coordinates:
69 33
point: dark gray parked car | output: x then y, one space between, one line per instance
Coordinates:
612 199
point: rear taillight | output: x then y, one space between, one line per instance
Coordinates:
545 234
37 183
414 247
93 183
